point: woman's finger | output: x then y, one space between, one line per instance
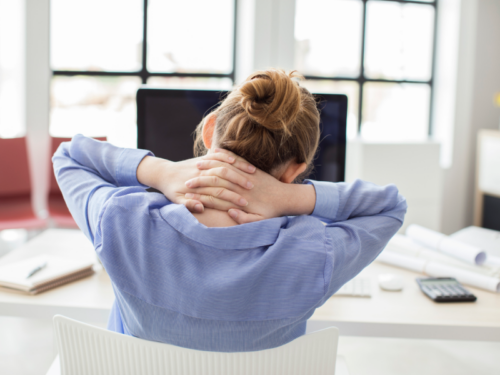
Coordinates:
220 156
237 161
211 181
219 193
192 205
211 168
242 217
209 201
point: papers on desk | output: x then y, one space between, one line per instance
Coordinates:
406 252
447 245
57 271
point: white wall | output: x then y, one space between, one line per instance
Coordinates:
413 167
265 36
38 75
478 79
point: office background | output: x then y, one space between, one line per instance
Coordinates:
412 70
419 75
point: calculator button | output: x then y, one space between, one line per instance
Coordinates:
432 294
450 291
444 292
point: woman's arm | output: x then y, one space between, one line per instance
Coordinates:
360 218
90 173
331 202
170 178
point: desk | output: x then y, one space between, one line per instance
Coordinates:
407 314
88 299
410 314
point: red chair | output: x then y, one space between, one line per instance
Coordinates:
58 211
16 210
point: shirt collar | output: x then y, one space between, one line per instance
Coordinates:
245 236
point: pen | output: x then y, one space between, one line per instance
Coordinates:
36 269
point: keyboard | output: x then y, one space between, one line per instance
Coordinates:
357 287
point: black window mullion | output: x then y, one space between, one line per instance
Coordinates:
235 35
361 80
433 71
144 70
364 79
144 74
411 2
137 74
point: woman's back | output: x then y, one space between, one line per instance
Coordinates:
201 281
225 289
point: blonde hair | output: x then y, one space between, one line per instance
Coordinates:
267 120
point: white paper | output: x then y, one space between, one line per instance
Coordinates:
437 269
13 275
493 261
465 277
406 246
486 239
425 236
461 250
402 261
440 242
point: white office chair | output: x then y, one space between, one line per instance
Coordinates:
85 349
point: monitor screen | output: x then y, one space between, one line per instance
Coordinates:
166 120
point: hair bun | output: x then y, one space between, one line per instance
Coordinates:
272 99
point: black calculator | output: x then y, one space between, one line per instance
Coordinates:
445 289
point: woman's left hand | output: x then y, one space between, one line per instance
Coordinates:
267 199
170 178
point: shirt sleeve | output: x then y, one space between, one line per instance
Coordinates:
360 218
90 172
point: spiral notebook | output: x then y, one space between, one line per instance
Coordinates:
57 271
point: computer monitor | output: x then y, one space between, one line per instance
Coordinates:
166 120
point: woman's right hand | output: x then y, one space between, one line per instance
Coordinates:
268 198
170 177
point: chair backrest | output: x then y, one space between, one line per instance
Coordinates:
85 349
14 168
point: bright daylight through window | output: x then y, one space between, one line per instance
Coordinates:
378 53
98 69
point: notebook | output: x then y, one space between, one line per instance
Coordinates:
57 271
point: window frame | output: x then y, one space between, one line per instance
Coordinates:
361 79
144 74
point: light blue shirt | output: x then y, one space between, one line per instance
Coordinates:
241 288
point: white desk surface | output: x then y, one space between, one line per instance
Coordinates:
407 314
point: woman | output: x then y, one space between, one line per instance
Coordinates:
201 280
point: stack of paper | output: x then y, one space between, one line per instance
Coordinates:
437 255
56 271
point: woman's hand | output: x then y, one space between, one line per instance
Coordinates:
267 199
170 177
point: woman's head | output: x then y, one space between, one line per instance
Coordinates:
269 120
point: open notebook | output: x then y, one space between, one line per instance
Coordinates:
57 271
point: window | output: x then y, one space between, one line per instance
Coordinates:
102 51
380 53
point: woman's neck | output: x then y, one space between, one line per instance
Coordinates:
215 218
